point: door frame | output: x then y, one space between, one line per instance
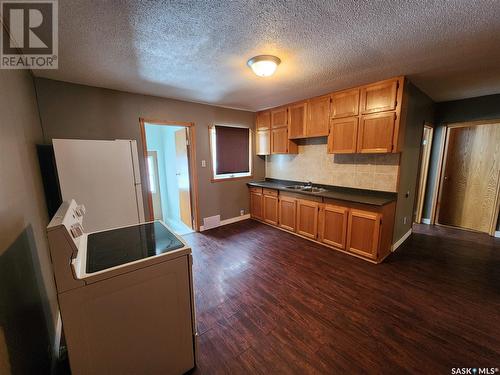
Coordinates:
423 171
193 174
442 166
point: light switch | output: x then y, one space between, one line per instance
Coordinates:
203 163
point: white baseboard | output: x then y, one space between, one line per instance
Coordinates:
497 233
228 221
401 240
426 221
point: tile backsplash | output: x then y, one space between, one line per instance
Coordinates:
312 163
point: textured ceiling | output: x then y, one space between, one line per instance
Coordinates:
197 50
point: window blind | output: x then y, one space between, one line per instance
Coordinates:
232 149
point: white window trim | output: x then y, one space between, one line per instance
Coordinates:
213 155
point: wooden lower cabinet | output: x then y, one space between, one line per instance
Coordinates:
256 203
287 213
333 227
363 233
270 204
360 229
307 218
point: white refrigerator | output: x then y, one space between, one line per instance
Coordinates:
103 176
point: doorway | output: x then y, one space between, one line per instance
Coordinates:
425 154
170 164
470 177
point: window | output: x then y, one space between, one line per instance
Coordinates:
231 152
151 172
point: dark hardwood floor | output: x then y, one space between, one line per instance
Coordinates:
270 302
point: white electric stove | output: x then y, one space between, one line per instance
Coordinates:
125 295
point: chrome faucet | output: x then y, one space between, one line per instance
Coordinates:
309 185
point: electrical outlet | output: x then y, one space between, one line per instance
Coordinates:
203 163
242 212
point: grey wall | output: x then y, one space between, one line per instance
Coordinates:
28 305
473 109
76 111
418 110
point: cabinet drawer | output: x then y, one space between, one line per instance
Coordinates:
271 192
255 189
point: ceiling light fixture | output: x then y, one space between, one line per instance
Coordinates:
264 65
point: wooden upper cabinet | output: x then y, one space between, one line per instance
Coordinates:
256 209
333 229
297 118
318 116
279 117
279 141
363 233
307 218
379 97
270 208
263 120
345 103
375 133
263 142
287 213
343 136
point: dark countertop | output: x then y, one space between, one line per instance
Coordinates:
376 198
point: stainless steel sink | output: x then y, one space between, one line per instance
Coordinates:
306 188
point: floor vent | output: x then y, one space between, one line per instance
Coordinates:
211 222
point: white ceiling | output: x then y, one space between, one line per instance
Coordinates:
197 50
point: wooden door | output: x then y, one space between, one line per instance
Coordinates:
279 117
363 233
182 174
256 204
297 117
343 136
307 218
264 120
263 142
379 97
333 229
287 213
376 132
470 184
270 204
318 116
345 103
279 141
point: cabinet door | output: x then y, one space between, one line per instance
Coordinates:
345 104
318 116
343 136
279 141
363 233
271 209
263 142
297 116
333 229
375 132
264 120
287 213
256 205
279 118
379 97
307 218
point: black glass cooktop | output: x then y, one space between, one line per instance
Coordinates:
119 246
